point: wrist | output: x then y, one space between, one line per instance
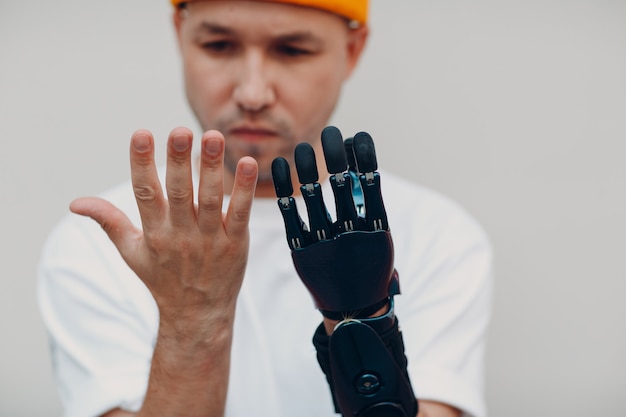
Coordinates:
331 323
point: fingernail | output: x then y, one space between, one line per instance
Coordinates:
180 143
141 143
212 146
247 168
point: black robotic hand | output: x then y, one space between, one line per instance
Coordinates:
347 266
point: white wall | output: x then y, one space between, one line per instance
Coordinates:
517 109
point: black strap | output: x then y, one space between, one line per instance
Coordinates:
391 337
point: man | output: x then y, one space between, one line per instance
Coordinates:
218 322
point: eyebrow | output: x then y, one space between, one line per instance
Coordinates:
214 29
300 37
295 37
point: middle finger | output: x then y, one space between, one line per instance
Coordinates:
178 178
211 191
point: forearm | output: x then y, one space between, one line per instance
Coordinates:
189 374
190 368
436 409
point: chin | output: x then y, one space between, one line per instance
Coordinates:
265 174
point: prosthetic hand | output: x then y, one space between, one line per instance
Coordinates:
347 266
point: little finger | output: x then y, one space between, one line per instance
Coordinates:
145 180
238 214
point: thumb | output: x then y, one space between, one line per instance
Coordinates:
113 221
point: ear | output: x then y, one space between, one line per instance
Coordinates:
357 38
177 18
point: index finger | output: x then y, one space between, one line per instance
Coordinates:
145 180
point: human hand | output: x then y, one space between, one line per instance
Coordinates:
347 265
191 257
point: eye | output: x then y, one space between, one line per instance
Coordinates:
292 51
220 47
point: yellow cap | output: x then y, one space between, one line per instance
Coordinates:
355 10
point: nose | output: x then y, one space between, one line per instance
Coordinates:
254 90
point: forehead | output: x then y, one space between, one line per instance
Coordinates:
260 18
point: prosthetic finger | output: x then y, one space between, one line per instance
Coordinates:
340 180
357 194
375 214
350 155
319 219
297 233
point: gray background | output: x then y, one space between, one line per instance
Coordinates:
517 109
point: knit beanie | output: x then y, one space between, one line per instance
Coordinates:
354 10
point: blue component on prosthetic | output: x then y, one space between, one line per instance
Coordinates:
357 194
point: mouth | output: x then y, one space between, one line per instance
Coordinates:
252 133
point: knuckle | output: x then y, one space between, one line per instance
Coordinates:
154 242
165 246
211 163
240 214
178 158
143 161
177 195
145 192
210 202
153 237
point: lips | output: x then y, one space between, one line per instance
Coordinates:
253 133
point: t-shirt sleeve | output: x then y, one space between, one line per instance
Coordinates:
94 307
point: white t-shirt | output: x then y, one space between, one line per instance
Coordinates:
103 321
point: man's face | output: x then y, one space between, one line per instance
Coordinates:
266 75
